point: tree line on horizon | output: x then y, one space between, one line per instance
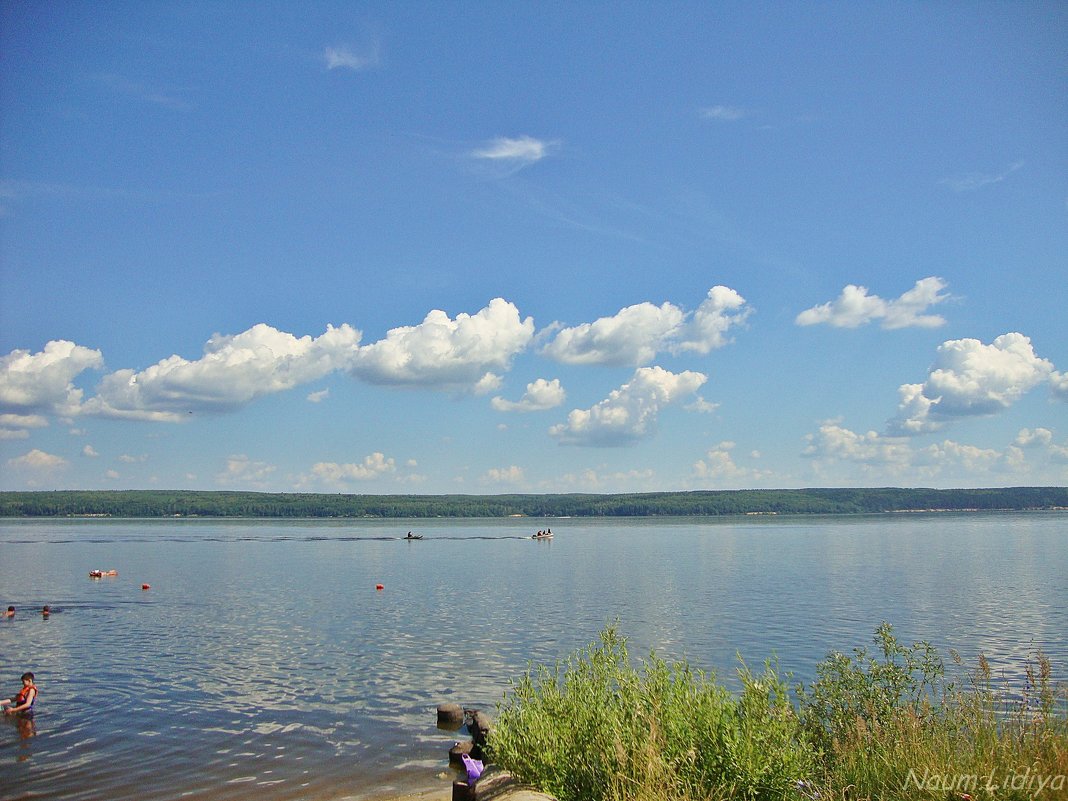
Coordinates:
181 503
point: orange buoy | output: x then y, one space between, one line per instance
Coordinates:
146 586
379 587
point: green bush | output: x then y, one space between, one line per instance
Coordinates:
596 728
883 727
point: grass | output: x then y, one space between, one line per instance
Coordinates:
886 725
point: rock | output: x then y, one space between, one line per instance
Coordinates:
457 751
450 716
479 725
462 791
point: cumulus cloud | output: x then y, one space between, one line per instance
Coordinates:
855 307
1036 438
629 413
36 384
89 451
37 461
879 457
504 475
834 443
372 466
707 328
719 466
243 471
969 379
1058 383
636 334
318 397
540 395
521 150
441 353
234 371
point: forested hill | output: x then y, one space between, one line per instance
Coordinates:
163 503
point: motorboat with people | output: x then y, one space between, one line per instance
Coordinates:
543 535
413 536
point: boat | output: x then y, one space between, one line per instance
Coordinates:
413 536
542 535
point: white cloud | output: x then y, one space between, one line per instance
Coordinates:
724 113
521 150
318 397
1037 438
243 471
835 443
969 379
702 406
345 58
37 461
540 395
707 329
1058 383
718 465
875 457
372 466
89 451
32 384
636 334
128 459
506 475
969 182
630 412
234 371
112 475
446 354
600 480
855 307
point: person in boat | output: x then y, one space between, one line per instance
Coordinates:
22 702
413 536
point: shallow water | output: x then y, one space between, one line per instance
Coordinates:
263 663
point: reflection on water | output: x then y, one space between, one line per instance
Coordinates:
264 664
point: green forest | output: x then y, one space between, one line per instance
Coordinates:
164 503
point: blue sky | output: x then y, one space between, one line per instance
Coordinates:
530 247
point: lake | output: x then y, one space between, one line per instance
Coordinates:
264 664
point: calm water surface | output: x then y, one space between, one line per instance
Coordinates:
263 664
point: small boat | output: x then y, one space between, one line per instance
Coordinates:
542 535
413 536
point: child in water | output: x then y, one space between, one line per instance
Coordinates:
22 702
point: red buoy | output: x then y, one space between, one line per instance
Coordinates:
379 587
146 586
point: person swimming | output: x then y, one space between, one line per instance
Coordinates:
10 612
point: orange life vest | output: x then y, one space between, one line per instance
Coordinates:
24 693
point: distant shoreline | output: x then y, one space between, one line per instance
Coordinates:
160 504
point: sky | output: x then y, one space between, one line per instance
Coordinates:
495 247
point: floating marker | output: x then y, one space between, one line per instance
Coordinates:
146 586
379 587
